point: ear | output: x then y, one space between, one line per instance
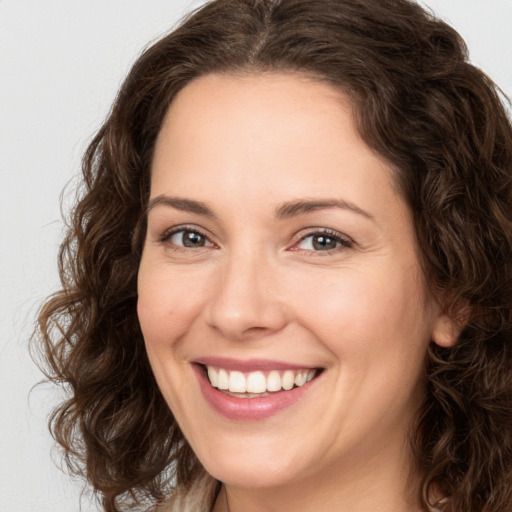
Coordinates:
447 327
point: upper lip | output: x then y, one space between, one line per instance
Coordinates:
250 365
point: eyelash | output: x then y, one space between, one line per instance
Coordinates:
182 229
343 241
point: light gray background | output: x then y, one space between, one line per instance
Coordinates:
61 63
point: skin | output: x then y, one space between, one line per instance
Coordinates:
259 288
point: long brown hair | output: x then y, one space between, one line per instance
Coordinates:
437 120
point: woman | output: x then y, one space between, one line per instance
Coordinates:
287 282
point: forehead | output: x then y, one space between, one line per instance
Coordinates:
252 125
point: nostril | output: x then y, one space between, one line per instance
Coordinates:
242 307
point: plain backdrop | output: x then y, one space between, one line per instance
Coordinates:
61 63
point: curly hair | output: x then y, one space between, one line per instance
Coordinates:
439 122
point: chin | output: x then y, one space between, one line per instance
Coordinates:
249 476
255 466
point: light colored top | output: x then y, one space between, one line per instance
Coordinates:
200 498
203 495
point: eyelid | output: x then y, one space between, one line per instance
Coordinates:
169 233
345 242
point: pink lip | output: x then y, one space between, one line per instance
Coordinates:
250 365
248 408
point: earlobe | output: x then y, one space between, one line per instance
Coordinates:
447 328
445 332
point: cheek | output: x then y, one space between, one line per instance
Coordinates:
338 303
368 312
166 311
377 329
165 307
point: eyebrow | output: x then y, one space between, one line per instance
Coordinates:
295 208
179 203
284 211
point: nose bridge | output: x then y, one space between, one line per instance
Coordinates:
244 303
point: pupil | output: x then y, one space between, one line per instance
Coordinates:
191 239
322 242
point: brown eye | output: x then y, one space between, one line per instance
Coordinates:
190 239
324 241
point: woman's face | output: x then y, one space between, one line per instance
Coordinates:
280 254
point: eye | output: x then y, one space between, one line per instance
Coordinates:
188 238
324 241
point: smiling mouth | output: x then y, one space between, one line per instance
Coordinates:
258 384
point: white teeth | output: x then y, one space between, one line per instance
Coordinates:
255 383
300 378
288 380
237 382
273 381
213 376
223 382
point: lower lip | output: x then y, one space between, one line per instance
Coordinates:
236 408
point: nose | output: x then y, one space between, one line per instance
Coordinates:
245 303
